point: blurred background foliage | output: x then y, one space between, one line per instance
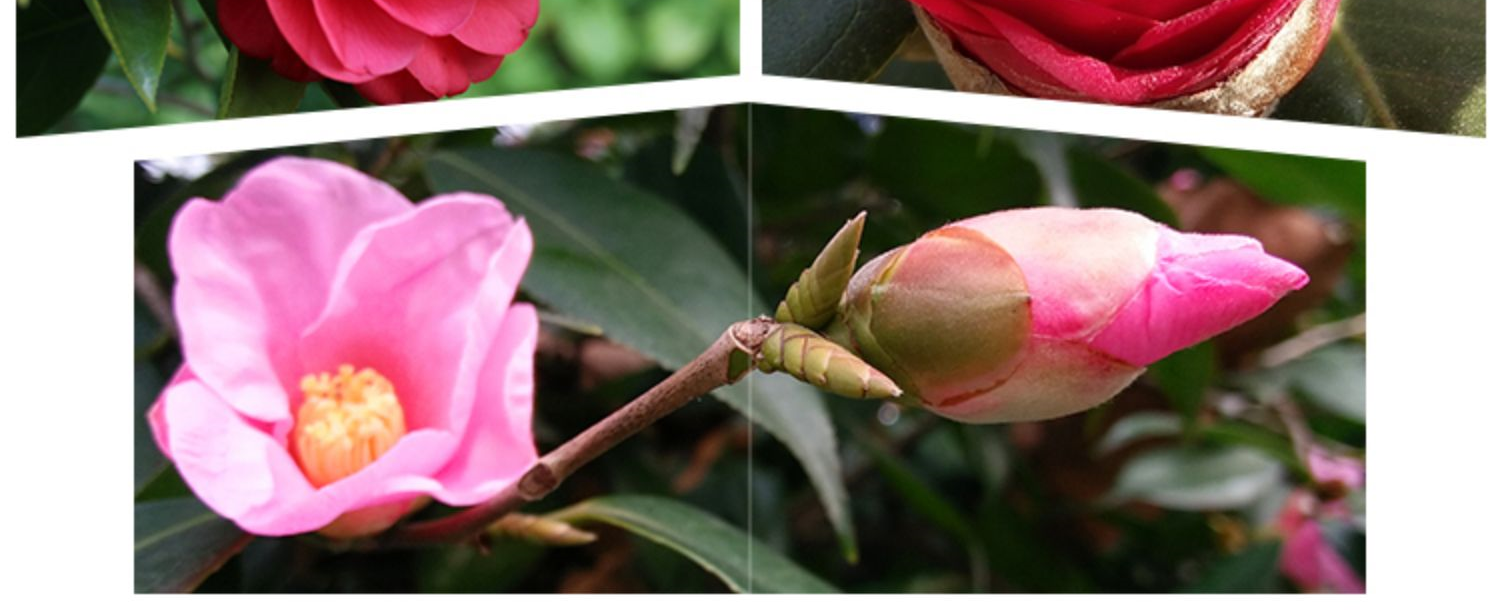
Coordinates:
70 80
1406 65
1177 485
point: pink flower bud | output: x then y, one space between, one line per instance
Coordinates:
1032 314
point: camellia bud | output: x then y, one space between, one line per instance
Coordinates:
1031 314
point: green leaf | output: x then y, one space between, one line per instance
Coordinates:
59 55
251 88
179 542
1297 180
1136 427
149 463
1331 378
610 254
1100 182
912 488
949 171
139 32
1255 569
1184 377
1408 65
847 40
721 549
1196 478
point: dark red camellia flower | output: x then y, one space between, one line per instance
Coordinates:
393 51
1130 51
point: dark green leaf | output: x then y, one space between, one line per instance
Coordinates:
463 569
610 254
847 40
179 542
59 55
723 550
1184 377
1099 182
1409 65
949 172
1297 180
138 31
923 499
1252 570
251 88
149 463
1196 479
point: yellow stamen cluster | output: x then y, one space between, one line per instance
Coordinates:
346 421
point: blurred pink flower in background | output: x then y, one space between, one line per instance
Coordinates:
1308 559
393 51
1030 314
346 354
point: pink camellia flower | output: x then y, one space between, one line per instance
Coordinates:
393 51
1307 557
1134 51
346 354
1030 314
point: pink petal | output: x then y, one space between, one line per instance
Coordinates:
395 88
446 67
255 270
246 475
1327 467
1080 265
431 17
1056 378
1314 565
298 22
366 39
497 446
406 301
233 466
248 24
1202 285
498 27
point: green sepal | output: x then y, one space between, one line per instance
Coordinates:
808 356
812 300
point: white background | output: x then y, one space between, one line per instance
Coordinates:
66 249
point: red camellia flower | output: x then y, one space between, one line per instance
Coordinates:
393 51
1134 51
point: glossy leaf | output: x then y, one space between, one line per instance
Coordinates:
139 32
612 255
1302 181
950 171
1407 65
1099 182
251 88
179 542
59 55
847 40
1196 479
721 549
149 463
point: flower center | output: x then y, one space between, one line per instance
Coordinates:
346 421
